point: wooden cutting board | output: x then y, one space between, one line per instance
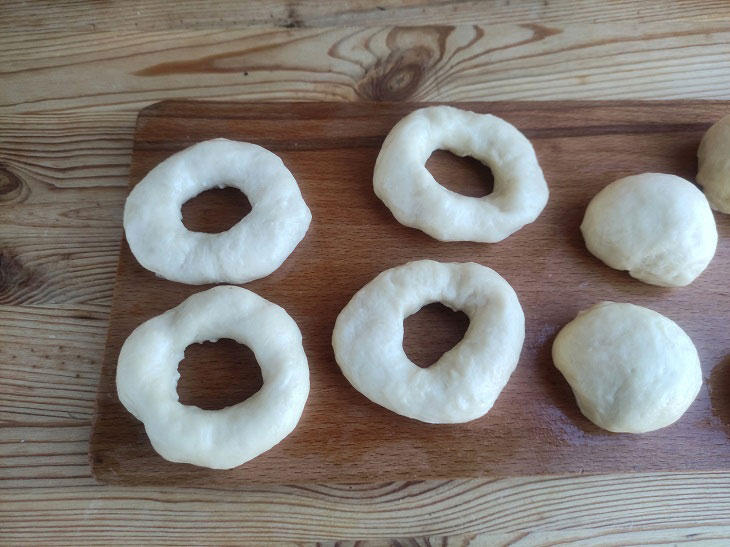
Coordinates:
535 426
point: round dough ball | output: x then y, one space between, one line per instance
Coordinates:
658 227
714 164
632 370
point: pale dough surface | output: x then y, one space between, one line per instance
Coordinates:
221 439
466 380
256 246
631 369
658 227
416 199
714 165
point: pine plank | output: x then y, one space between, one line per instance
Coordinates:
657 60
198 14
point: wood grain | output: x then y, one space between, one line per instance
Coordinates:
50 362
81 134
656 60
47 497
342 437
198 14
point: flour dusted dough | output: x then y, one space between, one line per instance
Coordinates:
658 227
147 378
414 197
714 164
466 380
632 370
256 246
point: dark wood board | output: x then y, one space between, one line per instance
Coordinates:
535 426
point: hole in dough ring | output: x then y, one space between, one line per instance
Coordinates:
466 380
253 248
220 439
416 199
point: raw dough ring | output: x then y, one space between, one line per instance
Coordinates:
466 380
221 439
256 246
414 197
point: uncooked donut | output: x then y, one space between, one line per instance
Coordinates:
253 248
404 184
631 369
714 165
658 227
221 439
466 380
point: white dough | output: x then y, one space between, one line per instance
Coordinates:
466 380
631 369
714 165
658 227
404 184
220 439
256 246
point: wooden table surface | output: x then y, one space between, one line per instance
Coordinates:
73 76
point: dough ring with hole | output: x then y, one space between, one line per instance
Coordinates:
220 439
416 199
631 369
256 246
466 380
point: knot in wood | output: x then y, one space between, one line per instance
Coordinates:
11 187
398 76
13 275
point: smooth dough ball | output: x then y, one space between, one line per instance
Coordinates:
658 227
632 370
714 164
